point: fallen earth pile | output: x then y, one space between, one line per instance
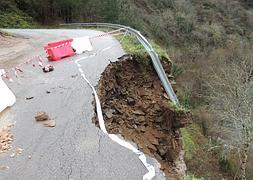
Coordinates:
136 106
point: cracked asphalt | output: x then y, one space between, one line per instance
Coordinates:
75 149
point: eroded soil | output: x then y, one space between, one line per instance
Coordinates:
136 106
6 139
12 49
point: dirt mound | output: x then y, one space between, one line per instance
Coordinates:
136 106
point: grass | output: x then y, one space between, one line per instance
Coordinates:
178 108
133 47
176 70
191 177
189 145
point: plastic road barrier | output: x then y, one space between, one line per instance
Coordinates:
59 50
7 98
81 45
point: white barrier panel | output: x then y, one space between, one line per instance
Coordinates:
82 44
7 98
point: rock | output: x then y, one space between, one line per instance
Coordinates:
29 98
159 119
142 129
152 147
74 76
130 101
182 120
48 68
13 155
180 164
162 150
49 123
141 119
121 122
151 138
3 168
41 116
139 112
29 157
19 150
109 113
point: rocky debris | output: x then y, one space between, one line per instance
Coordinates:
48 68
49 123
18 151
6 139
41 116
4 168
180 164
136 106
109 113
29 98
44 117
74 76
12 155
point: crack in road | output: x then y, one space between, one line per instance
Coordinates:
99 140
75 148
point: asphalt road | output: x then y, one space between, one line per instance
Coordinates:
75 149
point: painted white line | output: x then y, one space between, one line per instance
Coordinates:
151 170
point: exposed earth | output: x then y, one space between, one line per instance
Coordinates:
136 106
12 50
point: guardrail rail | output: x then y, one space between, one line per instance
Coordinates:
154 56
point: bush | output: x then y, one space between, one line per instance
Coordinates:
15 20
215 35
185 97
185 24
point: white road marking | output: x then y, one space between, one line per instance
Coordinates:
151 170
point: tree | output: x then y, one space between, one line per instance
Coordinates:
231 94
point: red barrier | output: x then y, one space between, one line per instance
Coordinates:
59 50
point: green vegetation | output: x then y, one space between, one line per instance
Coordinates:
191 177
189 145
176 70
12 17
178 108
197 34
185 97
15 20
132 46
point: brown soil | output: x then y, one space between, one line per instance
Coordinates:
12 50
136 106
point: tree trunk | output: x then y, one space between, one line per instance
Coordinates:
244 156
244 164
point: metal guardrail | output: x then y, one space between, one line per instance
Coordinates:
155 58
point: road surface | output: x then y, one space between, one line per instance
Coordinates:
75 149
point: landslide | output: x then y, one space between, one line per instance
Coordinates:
136 106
